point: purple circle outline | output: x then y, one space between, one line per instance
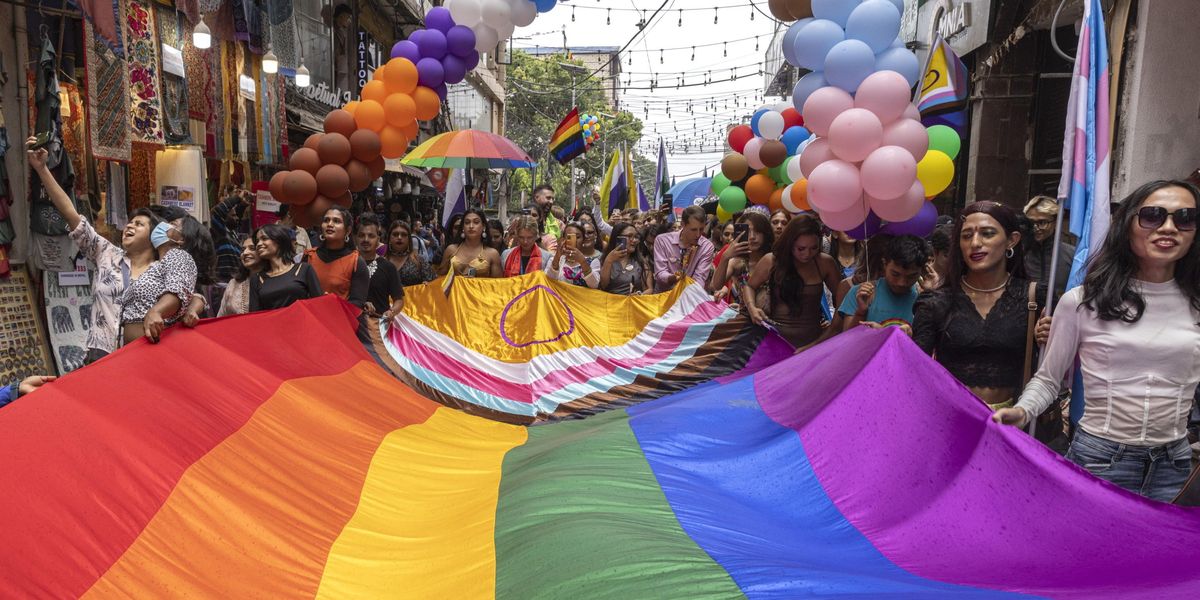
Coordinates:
561 335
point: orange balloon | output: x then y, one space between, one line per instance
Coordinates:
428 103
776 201
360 175
312 141
800 195
401 76
351 106
365 145
392 142
305 159
380 74
340 121
374 90
370 115
299 187
411 130
400 109
759 189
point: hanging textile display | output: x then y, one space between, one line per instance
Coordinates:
69 316
108 103
46 112
116 197
102 22
145 102
174 77
75 139
141 176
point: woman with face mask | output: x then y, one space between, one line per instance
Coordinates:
280 280
115 265
159 297
236 299
385 294
1134 325
340 269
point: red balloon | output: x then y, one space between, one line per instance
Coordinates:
791 118
340 121
377 166
360 175
334 149
738 136
305 159
299 187
276 185
313 140
332 181
364 145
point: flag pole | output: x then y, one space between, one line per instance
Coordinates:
1051 277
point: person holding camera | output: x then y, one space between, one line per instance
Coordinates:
625 266
569 264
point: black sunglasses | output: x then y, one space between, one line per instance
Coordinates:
1153 217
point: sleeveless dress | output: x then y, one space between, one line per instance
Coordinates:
472 268
799 324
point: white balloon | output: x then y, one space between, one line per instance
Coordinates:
486 38
787 200
505 31
465 12
522 12
793 169
495 13
770 125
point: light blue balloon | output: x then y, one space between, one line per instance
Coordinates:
900 60
834 10
848 64
815 41
789 40
899 4
544 5
897 43
804 88
793 137
754 120
874 22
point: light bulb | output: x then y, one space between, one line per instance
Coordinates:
270 63
201 36
302 77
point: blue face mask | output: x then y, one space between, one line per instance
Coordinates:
158 236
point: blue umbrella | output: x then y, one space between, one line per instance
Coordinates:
686 192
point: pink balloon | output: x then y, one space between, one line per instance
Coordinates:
911 112
888 173
855 134
885 93
899 210
822 106
834 186
846 219
814 154
754 146
909 134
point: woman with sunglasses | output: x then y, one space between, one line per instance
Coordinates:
1135 326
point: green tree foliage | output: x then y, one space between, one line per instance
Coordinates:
538 96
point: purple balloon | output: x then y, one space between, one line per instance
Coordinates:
472 61
454 68
921 225
406 49
441 90
430 72
415 36
460 41
438 18
870 226
432 44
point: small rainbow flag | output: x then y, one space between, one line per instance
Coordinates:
567 141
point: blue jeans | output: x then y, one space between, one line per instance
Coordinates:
1156 472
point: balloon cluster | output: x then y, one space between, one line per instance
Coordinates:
591 129
493 21
790 10
443 51
763 166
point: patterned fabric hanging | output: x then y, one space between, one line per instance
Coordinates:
141 175
174 88
108 102
145 110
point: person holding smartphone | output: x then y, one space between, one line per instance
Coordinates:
625 266
751 239
569 264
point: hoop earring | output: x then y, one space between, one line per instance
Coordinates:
322 236
1010 252
347 239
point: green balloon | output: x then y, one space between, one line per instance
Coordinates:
732 199
944 139
783 171
719 183
776 173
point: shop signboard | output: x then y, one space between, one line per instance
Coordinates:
962 23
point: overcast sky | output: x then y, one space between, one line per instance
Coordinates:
664 52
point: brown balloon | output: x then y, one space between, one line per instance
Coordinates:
773 153
377 166
360 175
299 187
305 159
345 200
334 149
799 9
779 10
332 181
313 140
276 185
340 121
734 166
316 211
365 145
300 217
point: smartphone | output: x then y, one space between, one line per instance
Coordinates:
42 139
525 211
621 244
570 242
741 231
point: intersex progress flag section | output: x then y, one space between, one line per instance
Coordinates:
267 456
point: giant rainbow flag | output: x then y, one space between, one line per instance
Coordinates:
267 456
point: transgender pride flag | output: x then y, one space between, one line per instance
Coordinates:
1087 147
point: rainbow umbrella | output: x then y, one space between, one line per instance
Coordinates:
469 148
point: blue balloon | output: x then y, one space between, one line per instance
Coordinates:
754 120
793 137
875 22
848 64
789 40
897 43
901 60
899 4
834 10
808 84
819 37
544 5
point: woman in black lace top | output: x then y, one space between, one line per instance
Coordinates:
975 324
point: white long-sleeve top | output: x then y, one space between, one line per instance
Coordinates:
1139 378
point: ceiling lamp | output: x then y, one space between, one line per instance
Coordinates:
201 35
302 76
270 63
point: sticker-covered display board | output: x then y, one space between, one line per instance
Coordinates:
23 349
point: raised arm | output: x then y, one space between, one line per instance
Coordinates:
59 197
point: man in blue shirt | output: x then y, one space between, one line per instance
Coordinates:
889 300
9 393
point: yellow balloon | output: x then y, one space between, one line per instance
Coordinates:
722 215
935 172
